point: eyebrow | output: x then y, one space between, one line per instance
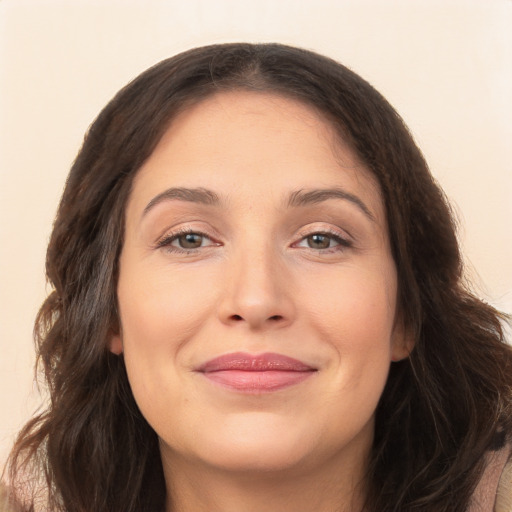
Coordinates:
192 195
307 197
297 199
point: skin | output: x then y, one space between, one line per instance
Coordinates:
258 281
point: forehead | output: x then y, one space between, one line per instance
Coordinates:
245 143
228 119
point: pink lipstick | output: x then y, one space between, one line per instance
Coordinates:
260 373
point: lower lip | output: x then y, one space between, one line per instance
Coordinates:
257 381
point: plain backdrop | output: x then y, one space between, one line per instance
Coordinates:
445 65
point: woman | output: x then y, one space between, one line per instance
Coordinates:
258 305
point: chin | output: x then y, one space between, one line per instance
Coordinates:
255 456
253 442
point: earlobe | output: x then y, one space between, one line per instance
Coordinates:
115 344
401 351
402 343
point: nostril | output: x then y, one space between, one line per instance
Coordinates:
274 318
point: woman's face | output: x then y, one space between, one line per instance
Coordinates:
257 291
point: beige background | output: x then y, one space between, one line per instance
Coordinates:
446 66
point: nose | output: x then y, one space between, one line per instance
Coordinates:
257 292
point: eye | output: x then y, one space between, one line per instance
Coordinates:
322 241
189 241
319 241
185 241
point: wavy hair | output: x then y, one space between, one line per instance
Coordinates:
442 409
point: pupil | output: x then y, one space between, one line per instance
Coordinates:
318 241
191 241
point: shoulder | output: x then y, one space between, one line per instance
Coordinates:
6 502
494 490
504 492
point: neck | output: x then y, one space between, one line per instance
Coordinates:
328 488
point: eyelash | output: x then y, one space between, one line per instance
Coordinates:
342 242
167 240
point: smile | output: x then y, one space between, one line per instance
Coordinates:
254 374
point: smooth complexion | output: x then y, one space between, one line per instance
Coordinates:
252 229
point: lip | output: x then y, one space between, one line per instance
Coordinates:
249 373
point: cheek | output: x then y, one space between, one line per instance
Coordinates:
358 310
356 318
160 311
160 307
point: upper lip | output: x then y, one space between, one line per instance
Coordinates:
254 363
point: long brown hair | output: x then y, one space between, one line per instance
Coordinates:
442 409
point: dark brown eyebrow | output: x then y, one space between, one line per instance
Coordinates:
306 197
193 195
296 199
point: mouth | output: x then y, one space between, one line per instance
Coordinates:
255 374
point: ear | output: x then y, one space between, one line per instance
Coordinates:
402 340
115 344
